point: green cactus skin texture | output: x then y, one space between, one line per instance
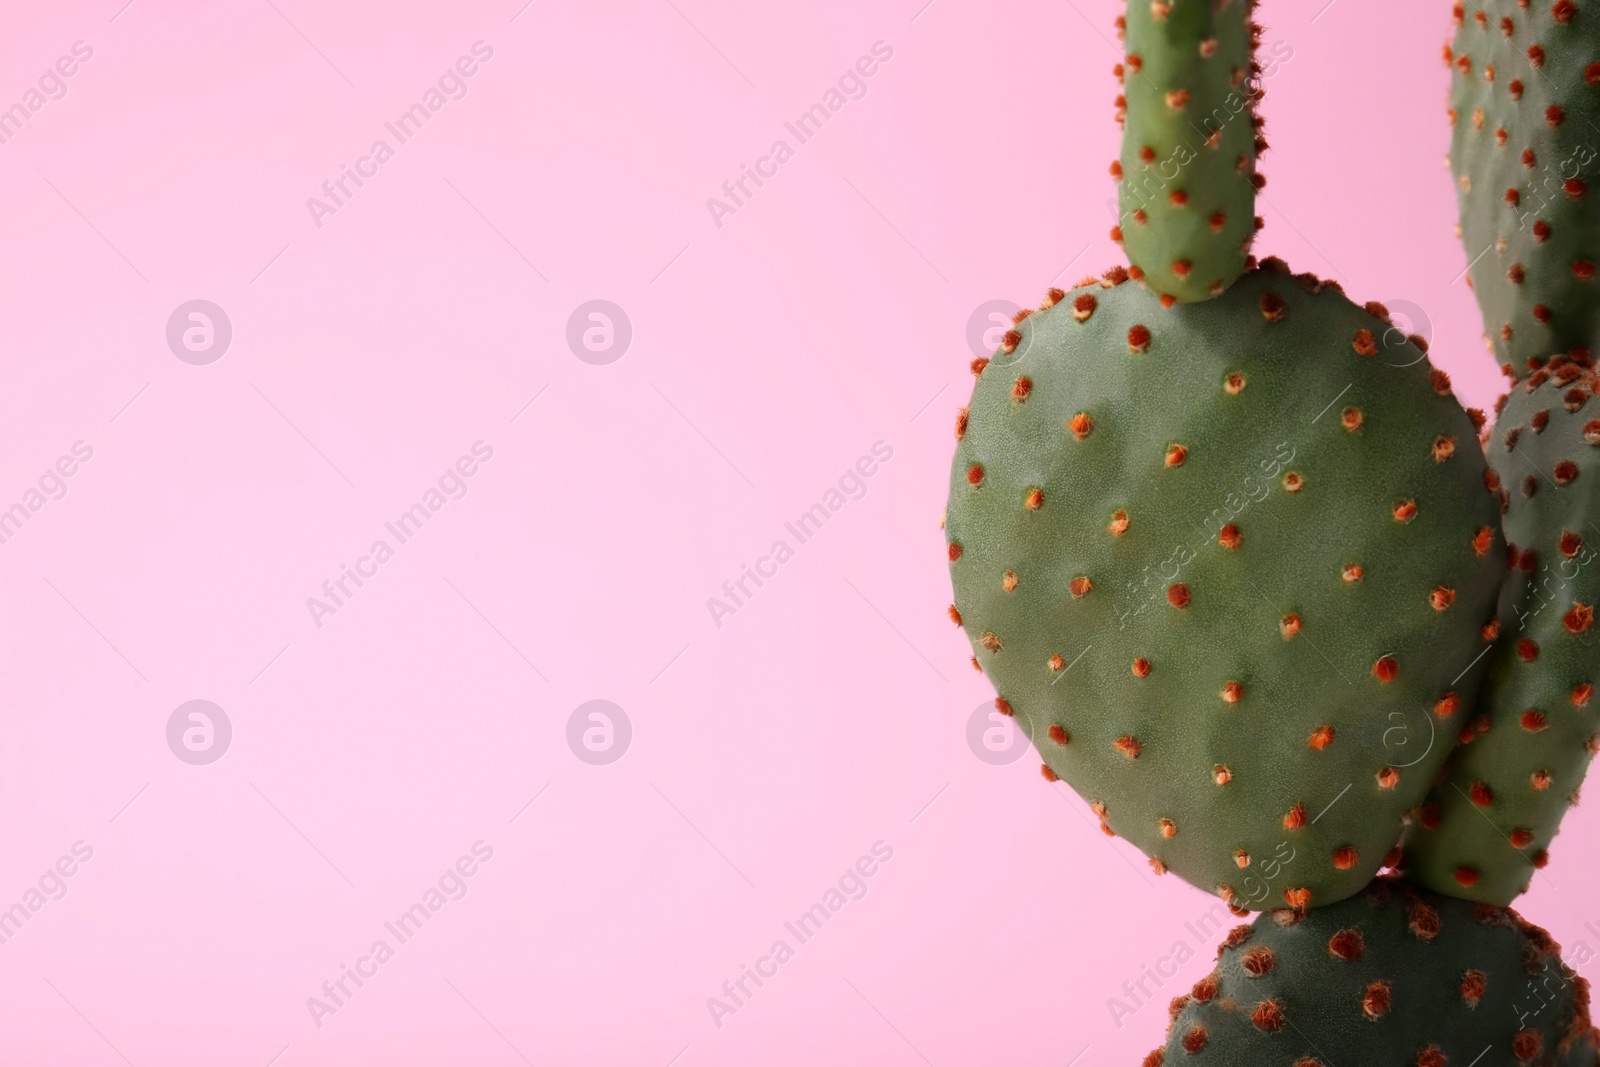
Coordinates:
1525 104
1394 977
1224 562
1487 827
1190 141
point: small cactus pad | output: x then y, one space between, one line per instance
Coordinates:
1486 828
1190 141
1525 103
1394 977
1227 563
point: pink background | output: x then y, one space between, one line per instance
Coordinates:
768 354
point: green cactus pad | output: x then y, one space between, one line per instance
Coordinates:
1525 104
1486 828
1224 561
1190 141
1395 977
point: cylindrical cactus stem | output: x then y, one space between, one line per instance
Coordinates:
1525 103
1486 829
1190 142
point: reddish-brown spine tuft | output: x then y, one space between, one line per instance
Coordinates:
1128 746
1320 738
1228 536
1386 669
1138 339
1178 595
1296 817
1141 667
1347 945
1267 1016
1375 1001
1473 985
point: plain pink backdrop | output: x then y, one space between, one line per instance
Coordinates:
768 354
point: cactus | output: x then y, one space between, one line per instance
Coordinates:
1231 556
1394 976
1525 104
1486 829
1189 146
1226 564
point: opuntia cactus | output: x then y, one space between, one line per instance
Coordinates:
1525 104
1224 561
1189 145
1396 975
1484 830
1232 558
